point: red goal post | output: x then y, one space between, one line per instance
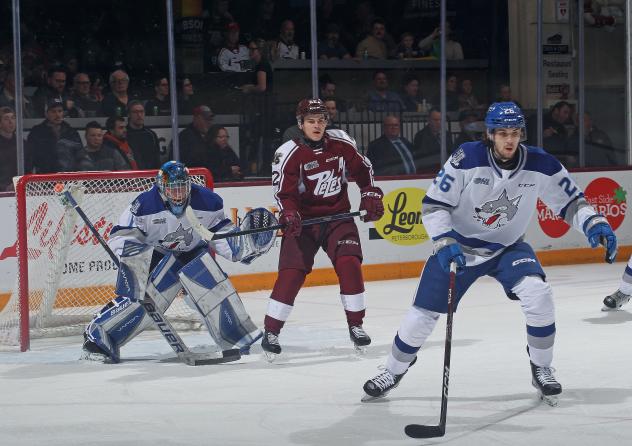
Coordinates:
64 275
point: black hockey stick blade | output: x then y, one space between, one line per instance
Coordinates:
423 431
227 356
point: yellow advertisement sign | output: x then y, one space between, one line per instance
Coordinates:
401 223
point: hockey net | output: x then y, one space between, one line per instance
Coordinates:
64 275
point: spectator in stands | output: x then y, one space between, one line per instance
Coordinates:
411 97
96 89
327 89
194 139
115 102
52 145
360 23
187 100
216 22
504 95
160 104
407 48
262 79
55 88
427 143
266 20
116 137
472 128
285 47
224 164
431 44
597 145
85 104
233 56
391 154
468 100
451 94
375 45
98 156
142 140
7 99
381 99
8 149
555 125
331 48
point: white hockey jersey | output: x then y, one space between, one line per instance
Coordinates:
486 208
148 221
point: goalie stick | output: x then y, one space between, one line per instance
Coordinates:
430 431
156 315
208 235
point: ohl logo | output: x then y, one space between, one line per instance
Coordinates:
401 223
604 194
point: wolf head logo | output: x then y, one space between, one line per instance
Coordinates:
496 213
173 239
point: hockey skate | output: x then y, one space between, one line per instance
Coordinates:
382 384
615 301
270 345
546 384
359 338
92 352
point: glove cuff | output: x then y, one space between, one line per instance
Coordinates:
442 243
594 220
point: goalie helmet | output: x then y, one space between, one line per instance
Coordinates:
310 107
174 184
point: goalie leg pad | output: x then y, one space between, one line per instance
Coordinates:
113 326
217 301
133 270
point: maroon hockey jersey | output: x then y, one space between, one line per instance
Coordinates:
314 181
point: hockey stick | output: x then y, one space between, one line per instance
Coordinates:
208 235
430 431
158 318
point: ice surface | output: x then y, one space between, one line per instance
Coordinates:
311 396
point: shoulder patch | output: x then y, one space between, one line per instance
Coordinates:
457 157
134 206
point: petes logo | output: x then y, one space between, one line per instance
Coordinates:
311 165
497 213
327 184
457 157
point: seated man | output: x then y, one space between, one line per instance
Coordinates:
391 154
161 254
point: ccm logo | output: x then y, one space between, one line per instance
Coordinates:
525 260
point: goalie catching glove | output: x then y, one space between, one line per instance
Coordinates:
371 202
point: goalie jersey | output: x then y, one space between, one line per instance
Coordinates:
486 208
148 221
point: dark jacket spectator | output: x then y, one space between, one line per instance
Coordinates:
160 104
194 139
116 137
381 99
8 149
187 100
52 144
97 156
427 143
84 102
55 88
142 140
224 162
8 100
331 48
391 154
115 102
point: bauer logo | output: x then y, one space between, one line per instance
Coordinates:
401 223
604 194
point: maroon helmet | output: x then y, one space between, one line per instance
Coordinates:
310 107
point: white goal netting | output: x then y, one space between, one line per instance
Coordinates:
64 274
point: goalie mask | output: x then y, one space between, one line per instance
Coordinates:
174 184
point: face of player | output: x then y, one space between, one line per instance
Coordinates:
176 193
314 127
506 142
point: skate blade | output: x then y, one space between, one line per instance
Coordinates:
366 398
95 357
551 400
360 350
607 308
270 357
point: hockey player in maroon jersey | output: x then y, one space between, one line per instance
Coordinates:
309 178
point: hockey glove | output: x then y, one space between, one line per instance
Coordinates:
447 251
599 232
371 202
292 221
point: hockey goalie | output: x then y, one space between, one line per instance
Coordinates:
162 254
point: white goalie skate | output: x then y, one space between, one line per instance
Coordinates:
615 301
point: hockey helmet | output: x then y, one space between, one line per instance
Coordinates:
174 184
504 115
310 107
